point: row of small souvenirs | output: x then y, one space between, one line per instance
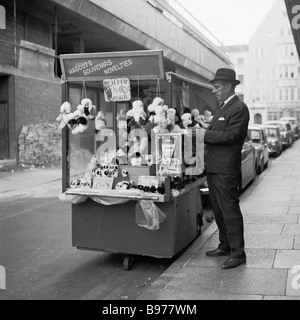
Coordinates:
102 172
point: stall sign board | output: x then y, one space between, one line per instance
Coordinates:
135 65
103 183
117 90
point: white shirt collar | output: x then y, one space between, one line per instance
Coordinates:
229 99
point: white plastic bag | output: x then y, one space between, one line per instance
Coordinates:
148 215
73 199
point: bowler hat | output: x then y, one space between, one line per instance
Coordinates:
228 75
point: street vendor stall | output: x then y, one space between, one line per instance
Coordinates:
132 139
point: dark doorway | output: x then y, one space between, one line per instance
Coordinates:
4 118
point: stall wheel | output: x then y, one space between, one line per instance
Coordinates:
128 262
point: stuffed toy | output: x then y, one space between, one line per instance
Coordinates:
136 161
89 108
151 108
149 159
125 173
80 120
171 118
92 166
100 122
65 115
123 185
137 115
186 120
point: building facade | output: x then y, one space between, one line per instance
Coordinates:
37 32
274 69
239 56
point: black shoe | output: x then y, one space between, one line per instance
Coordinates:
217 253
232 263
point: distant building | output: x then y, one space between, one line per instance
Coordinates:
239 56
274 68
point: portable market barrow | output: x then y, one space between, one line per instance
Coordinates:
113 228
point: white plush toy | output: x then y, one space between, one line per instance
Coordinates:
186 120
156 103
100 122
171 118
81 120
92 166
136 114
65 114
89 108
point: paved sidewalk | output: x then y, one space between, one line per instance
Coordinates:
271 209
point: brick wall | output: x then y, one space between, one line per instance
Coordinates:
28 27
36 101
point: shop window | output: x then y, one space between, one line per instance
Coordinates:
258 118
241 78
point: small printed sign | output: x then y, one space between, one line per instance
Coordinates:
103 183
117 90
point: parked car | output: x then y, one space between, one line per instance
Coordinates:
274 139
248 163
259 140
294 123
286 132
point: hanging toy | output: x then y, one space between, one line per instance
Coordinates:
100 122
89 109
65 115
81 120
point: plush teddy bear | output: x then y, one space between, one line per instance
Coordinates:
89 108
80 120
100 122
65 115
136 115
186 120
137 160
171 117
151 108
92 166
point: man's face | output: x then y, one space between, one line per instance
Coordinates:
221 90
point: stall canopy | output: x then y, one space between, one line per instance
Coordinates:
293 9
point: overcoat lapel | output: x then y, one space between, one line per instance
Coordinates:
220 112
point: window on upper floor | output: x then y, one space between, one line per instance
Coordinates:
257 74
241 78
259 53
281 32
240 61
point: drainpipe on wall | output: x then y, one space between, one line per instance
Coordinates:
15 31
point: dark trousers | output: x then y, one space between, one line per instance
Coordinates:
224 195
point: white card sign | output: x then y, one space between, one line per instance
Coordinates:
117 90
103 183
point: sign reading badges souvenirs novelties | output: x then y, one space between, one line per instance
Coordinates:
117 90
